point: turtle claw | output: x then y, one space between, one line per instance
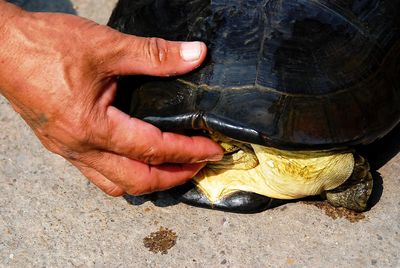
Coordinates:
238 202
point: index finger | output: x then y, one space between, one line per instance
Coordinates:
142 141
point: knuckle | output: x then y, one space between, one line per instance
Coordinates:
71 148
52 145
113 191
156 50
151 155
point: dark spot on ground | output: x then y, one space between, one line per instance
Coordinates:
160 241
337 212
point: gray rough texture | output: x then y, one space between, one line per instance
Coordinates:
51 216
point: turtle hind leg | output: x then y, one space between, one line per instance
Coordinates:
238 202
355 191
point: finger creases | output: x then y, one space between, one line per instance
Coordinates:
142 141
156 56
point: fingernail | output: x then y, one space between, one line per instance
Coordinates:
191 51
214 158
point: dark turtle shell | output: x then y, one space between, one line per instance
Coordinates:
284 73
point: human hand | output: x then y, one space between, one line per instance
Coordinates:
60 76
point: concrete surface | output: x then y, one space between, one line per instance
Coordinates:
50 216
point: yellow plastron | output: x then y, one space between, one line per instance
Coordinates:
279 174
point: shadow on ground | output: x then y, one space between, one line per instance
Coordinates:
63 6
159 199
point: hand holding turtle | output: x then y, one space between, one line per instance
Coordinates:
59 73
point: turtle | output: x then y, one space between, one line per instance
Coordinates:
289 89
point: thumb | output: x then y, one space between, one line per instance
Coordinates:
156 56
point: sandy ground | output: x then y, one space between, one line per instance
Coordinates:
50 216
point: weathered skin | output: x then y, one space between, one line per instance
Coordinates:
293 75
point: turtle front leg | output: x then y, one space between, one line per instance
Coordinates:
354 192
